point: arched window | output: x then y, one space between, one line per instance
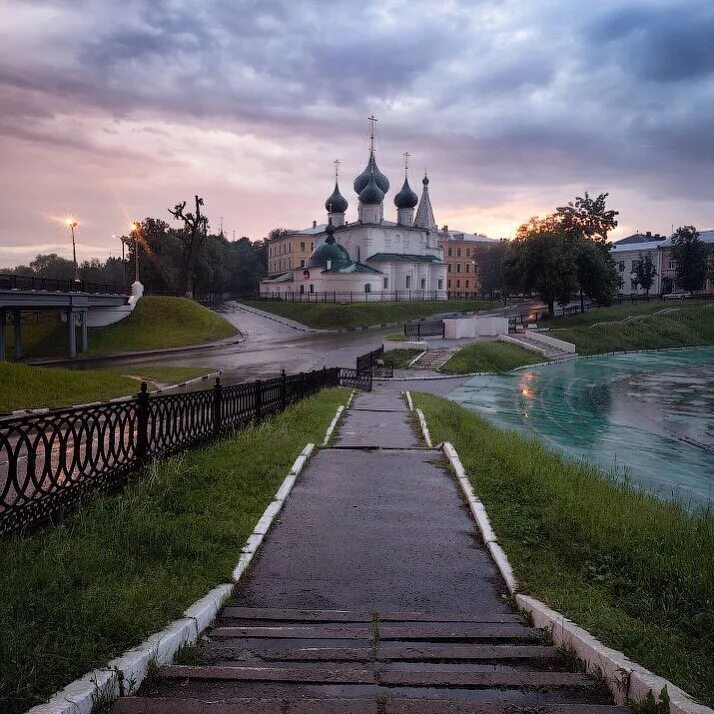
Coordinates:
368 288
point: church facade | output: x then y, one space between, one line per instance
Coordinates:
371 258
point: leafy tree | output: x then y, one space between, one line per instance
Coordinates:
541 261
587 217
595 272
690 255
489 267
51 265
195 227
645 272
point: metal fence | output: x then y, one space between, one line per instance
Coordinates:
424 328
58 285
51 461
348 297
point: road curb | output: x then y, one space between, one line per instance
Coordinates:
626 680
124 674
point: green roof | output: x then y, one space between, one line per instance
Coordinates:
354 268
403 257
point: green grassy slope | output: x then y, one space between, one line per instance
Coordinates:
157 322
78 594
490 357
691 326
635 571
334 316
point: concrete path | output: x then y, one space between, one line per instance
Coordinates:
373 593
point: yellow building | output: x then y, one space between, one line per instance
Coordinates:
292 250
460 255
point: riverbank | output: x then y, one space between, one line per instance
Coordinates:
336 316
633 570
77 594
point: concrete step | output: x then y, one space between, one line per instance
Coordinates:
170 705
294 615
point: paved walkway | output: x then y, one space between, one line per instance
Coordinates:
373 593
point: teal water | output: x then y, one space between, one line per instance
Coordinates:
647 416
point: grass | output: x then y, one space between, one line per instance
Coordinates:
78 594
635 571
156 323
619 312
688 327
490 357
396 337
333 316
26 387
400 359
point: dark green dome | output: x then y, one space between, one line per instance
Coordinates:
406 198
363 179
336 203
329 250
371 194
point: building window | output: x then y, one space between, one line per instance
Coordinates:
311 245
458 267
449 284
449 250
302 244
458 252
386 283
423 283
468 268
449 268
633 285
458 283
409 281
468 252
441 284
302 288
368 288
302 263
466 284
622 266
312 288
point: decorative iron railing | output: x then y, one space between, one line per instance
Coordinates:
58 285
424 328
51 461
367 362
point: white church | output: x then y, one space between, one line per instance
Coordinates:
371 258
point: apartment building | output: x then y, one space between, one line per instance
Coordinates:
292 250
460 255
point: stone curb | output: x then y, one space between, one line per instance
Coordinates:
410 403
333 424
123 675
115 400
625 679
49 361
478 511
424 428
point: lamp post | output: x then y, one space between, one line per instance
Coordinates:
72 223
135 227
123 260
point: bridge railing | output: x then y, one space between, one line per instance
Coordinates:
50 462
57 285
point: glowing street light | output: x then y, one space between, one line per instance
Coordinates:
71 223
135 230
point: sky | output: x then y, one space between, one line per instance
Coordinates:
114 111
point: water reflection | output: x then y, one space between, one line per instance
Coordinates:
650 414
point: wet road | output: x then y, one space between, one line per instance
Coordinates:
269 346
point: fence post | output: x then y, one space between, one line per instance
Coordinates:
217 406
418 331
258 396
142 425
283 389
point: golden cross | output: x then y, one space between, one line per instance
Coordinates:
371 119
337 168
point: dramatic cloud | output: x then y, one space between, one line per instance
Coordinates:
116 110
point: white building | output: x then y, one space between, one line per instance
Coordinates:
627 251
370 258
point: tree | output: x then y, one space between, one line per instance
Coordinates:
489 266
587 217
690 255
195 227
645 272
542 261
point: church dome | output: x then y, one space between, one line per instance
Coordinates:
336 203
330 251
363 179
371 194
406 198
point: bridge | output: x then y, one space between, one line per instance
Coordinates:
75 299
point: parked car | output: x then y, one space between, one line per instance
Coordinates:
678 296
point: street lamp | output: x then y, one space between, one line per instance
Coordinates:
71 223
135 228
123 260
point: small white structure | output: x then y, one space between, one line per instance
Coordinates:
458 328
102 317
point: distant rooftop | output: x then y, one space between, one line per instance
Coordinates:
647 237
465 236
705 237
